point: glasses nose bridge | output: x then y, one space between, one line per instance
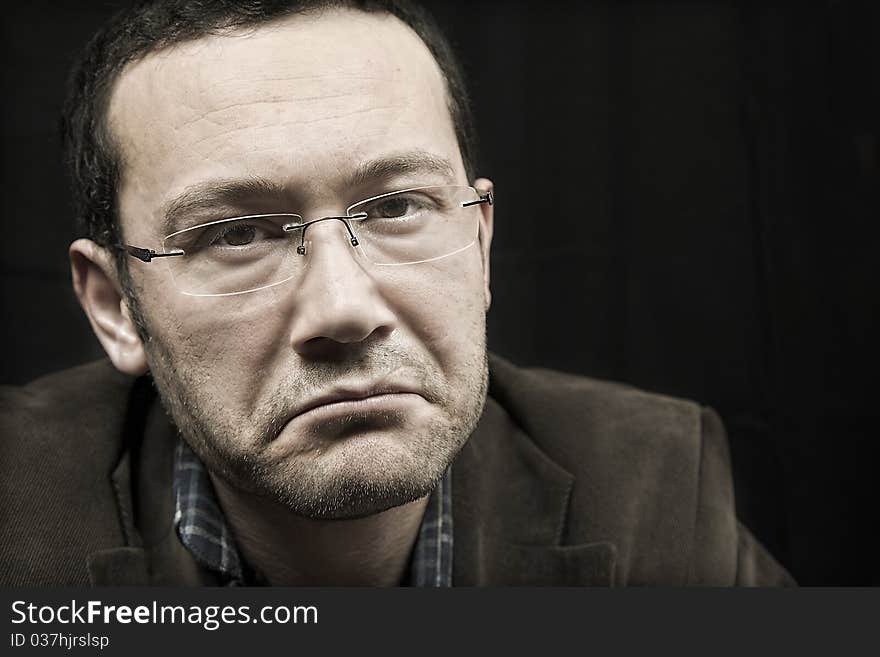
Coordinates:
345 220
332 271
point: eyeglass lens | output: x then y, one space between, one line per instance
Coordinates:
250 253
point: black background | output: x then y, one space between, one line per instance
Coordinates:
687 195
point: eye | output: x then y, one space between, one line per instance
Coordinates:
391 208
241 235
401 207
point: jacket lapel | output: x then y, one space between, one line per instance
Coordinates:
127 565
152 554
510 504
122 566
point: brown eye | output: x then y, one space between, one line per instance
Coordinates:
238 235
391 208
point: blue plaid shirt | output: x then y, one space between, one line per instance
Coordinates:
202 528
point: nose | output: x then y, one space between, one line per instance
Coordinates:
339 304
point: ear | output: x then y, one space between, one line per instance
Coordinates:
96 284
484 185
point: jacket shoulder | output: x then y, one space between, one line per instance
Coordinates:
60 438
43 417
569 415
652 476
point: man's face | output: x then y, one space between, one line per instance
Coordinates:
304 104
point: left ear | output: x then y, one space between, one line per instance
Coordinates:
487 210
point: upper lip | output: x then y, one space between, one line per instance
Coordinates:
351 393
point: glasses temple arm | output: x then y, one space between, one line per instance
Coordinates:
145 255
484 198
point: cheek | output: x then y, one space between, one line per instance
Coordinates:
441 304
223 347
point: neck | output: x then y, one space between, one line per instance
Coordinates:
291 550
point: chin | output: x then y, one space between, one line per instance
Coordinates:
362 475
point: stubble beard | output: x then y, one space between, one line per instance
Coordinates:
361 479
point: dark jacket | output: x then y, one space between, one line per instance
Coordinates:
566 480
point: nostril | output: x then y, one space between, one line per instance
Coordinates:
326 349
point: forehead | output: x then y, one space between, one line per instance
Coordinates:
300 101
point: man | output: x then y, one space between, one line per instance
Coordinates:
284 237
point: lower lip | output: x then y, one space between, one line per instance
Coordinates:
376 404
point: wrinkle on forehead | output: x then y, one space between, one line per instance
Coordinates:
370 45
347 72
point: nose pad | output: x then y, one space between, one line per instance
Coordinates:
347 231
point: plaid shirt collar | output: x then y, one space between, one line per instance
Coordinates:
201 527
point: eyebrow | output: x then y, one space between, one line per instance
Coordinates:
213 194
398 164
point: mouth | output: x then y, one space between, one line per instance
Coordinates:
357 401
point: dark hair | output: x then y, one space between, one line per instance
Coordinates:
93 159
